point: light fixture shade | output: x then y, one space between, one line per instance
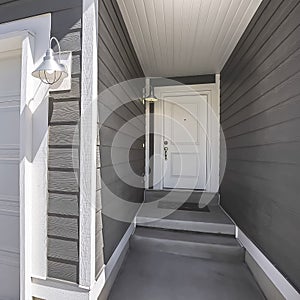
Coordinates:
151 97
50 70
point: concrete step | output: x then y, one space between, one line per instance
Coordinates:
187 225
180 196
198 245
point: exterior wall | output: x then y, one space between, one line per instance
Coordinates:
63 116
117 63
260 110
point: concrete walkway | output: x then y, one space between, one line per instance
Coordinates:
154 275
186 255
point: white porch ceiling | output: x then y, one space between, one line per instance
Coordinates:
185 37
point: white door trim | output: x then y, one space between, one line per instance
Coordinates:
213 120
32 43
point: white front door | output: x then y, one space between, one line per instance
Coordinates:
185 140
10 85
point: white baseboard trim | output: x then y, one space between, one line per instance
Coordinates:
279 281
112 264
124 241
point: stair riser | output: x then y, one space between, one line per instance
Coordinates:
215 228
206 251
181 197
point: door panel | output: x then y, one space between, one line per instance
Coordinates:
10 85
185 131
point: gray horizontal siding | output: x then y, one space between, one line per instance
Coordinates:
63 204
58 269
63 185
63 249
260 115
120 106
63 227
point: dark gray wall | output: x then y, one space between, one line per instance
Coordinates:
118 63
64 113
187 80
260 115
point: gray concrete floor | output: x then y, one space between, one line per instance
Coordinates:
162 276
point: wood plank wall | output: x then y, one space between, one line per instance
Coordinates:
118 63
64 113
260 115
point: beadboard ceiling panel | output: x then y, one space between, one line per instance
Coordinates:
185 37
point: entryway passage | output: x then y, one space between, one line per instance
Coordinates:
10 85
190 254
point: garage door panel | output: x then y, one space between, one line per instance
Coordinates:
9 237
9 275
10 82
9 124
9 152
10 77
9 174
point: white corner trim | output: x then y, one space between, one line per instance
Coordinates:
285 288
88 142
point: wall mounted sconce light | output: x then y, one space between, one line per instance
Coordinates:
51 70
151 97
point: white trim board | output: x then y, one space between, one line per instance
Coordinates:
122 245
88 143
284 287
33 43
112 267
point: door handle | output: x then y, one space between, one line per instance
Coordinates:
166 152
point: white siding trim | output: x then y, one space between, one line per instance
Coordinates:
88 142
122 245
147 148
285 288
147 133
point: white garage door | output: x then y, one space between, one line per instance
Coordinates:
10 85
